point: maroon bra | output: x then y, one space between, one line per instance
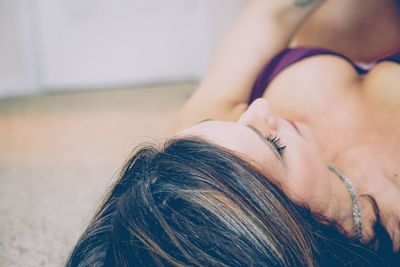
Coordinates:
291 55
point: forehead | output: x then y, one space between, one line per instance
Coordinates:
235 137
241 140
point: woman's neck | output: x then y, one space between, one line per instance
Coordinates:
373 171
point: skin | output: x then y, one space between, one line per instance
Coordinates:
375 24
344 119
362 110
301 169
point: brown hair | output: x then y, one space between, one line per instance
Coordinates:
194 203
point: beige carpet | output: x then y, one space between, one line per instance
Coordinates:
59 152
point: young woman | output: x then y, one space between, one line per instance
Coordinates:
292 163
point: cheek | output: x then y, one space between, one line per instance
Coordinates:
262 157
302 172
304 155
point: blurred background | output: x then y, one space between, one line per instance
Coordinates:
82 82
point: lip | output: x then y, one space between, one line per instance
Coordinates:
294 125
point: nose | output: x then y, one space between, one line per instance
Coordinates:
259 114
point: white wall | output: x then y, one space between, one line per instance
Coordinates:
216 19
101 43
18 72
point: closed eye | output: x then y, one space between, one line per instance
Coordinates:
276 146
276 141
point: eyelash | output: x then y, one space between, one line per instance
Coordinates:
276 142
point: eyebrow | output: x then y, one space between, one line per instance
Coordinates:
205 121
264 139
260 135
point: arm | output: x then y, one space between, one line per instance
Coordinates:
264 28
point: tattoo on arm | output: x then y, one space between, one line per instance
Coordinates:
303 3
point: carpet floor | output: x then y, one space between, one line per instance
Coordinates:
60 152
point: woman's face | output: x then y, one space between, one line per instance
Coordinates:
286 151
